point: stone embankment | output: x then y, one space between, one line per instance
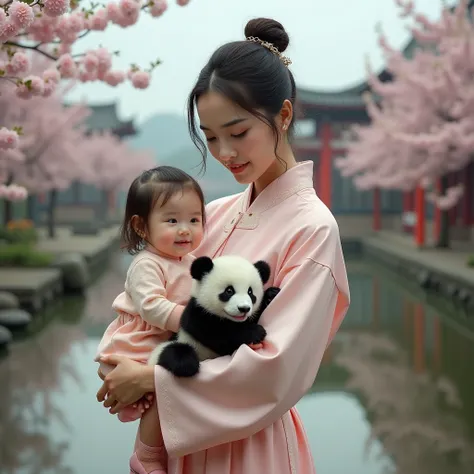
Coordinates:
78 259
443 272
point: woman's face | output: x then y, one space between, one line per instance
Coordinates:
240 141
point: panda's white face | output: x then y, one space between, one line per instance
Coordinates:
233 289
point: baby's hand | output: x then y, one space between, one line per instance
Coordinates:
255 347
144 403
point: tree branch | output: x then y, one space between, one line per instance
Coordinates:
34 48
78 38
9 79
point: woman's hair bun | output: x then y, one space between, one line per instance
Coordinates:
268 30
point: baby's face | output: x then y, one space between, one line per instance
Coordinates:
176 228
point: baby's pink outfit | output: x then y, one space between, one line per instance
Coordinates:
156 290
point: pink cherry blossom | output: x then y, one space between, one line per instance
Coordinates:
49 88
90 62
158 7
422 122
49 29
23 92
21 14
43 29
87 76
66 29
67 66
8 139
3 17
129 12
113 78
113 12
36 84
65 48
13 192
51 75
99 20
8 30
19 64
104 59
55 8
140 79
77 21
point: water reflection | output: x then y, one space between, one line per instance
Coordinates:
394 393
33 375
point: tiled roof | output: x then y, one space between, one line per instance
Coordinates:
349 97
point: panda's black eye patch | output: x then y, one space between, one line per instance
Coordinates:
227 294
252 296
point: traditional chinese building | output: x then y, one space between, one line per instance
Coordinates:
323 133
104 117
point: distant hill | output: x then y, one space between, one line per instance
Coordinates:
167 135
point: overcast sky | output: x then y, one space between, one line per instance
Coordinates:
328 43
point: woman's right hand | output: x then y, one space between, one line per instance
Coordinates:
127 383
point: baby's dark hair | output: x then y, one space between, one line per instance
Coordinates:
162 182
250 75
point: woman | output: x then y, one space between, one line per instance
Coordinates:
238 414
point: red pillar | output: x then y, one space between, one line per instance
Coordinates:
419 339
420 216
315 173
325 165
377 218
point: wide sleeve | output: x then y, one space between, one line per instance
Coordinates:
146 286
234 397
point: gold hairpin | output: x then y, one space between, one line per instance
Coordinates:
270 46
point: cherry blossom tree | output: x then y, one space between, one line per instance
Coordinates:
112 165
51 155
58 151
422 122
51 28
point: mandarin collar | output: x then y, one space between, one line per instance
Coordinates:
290 182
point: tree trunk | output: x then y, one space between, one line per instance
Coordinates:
30 207
104 206
7 205
443 238
53 196
7 211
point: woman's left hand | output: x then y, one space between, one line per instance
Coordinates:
123 385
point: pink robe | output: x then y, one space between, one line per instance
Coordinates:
237 415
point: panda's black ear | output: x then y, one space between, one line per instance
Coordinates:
200 267
264 270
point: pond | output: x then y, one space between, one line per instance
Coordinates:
394 393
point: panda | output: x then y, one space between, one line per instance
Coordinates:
227 300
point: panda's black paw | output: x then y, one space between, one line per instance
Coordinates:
270 294
180 359
256 334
